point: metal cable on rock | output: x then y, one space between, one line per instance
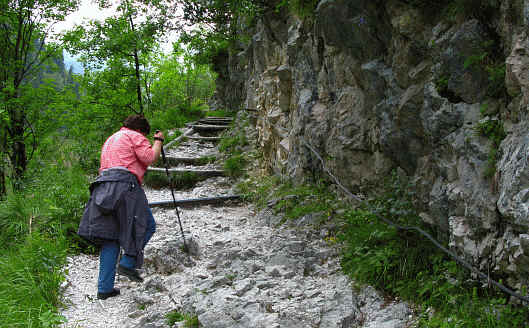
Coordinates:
420 231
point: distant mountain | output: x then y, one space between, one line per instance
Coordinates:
71 61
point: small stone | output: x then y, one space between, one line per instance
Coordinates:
242 286
212 265
255 267
135 314
143 299
266 284
273 271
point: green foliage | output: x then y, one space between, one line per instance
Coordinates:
297 201
496 73
483 108
401 263
208 47
460 10
38 226
257 189
494 131
221 113
180 180
181 85
31 277
408 265
294 201
156 180
122 46
174 317
233 144
14 220
442 84
221 25
301 8
234 165
190 321
25 62
171 118
185 180
206 160
395 202
486 57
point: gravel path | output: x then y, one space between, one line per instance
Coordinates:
245 272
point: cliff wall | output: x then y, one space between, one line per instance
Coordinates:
438 92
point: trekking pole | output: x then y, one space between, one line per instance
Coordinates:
174 200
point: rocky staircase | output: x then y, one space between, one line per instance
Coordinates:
195 153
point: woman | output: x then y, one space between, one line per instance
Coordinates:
118 213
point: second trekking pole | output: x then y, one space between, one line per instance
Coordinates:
174 200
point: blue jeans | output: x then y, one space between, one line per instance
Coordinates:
109 257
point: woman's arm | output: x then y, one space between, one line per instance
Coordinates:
158 144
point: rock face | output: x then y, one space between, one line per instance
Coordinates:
375 86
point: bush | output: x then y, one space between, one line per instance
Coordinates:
234 165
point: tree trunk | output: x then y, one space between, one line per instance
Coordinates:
15 129
137 69
3 190
18 146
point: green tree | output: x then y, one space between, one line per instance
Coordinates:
122 44
180 82
24 29
218 24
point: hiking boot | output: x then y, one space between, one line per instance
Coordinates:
132 274
104 296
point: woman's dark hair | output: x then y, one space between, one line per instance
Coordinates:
137 123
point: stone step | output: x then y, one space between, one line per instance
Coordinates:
204 138
223 118
207 127
198 172
194 201
175 160
214 122
184 135
179 178
218 118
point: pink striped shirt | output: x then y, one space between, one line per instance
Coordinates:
127 148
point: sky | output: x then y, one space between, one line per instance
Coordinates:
87 10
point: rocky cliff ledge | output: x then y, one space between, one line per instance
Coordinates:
439 92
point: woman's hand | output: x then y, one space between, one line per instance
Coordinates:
158 136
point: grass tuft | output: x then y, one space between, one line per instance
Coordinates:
180 180
190 321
